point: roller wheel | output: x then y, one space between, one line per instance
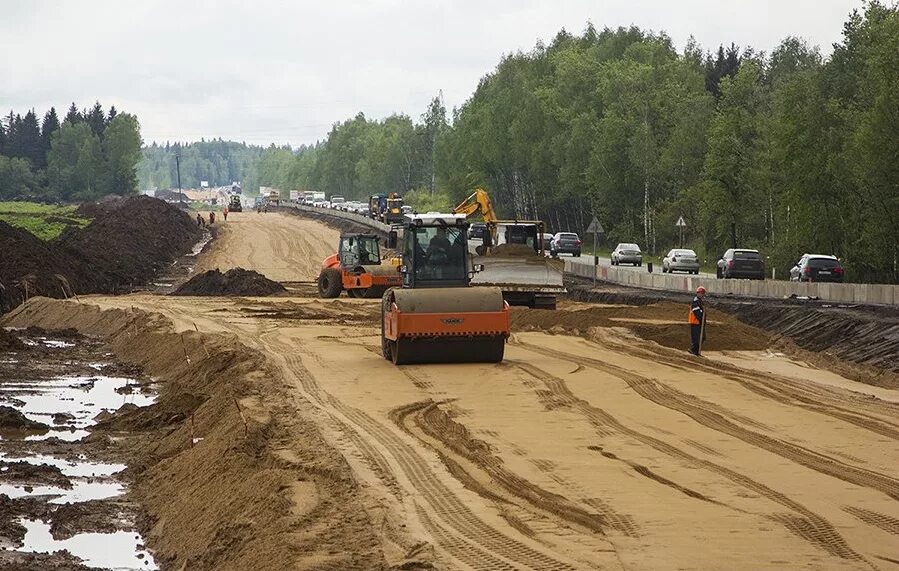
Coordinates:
329 283
385 343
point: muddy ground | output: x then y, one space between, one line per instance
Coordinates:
283 439
61 480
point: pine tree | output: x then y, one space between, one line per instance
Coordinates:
49 125
96 119
2 138
74 115
13 143
112 113
29 135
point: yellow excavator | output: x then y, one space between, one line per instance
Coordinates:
521 270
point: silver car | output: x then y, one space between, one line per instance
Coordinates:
680 260
627 254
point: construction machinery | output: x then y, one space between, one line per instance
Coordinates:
393 210
357 269
513 256
234 204
435 317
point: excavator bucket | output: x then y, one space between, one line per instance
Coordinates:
444 325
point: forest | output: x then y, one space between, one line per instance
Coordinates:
88 154
788 152
217 162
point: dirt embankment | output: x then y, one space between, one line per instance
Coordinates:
123 247
229 470
664 323
236 281
861 342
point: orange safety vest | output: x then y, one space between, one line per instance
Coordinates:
692 318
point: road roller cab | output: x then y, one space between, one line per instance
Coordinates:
435 317
357 268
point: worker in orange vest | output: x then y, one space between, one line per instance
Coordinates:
697 319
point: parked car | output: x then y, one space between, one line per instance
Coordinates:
680 260
566 243
817 268
739 263
627 254
477 230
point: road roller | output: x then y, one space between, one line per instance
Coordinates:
435 315
357 268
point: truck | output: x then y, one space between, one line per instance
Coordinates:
234 204
377 203
513 256
318 198
308 197
295 196
393 210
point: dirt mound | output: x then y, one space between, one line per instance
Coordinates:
30 267
101 207
128 242
131 243
513 251
663 323
236 281
9 341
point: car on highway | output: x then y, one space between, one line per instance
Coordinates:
626 253
680 260
741 263
566 243
817 268
477 230
547 240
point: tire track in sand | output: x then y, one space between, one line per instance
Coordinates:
461 533
698 410
808 525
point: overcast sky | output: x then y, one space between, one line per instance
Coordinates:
284 72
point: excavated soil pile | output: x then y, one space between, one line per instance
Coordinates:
131 243
128 242
513 251
236 281
29 266
664 323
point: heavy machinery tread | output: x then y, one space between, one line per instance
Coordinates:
330 283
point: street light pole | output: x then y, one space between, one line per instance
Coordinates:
178 170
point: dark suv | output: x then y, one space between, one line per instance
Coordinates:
566 243
817 268
736 263
477 230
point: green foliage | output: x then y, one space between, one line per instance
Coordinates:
76 169
44 221
121 145
422 200
16 178
218 162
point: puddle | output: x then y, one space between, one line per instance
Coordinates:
122 550
57 386
80 398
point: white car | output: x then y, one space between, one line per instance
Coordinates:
680 260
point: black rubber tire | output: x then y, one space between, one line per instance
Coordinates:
330 283
385 343
577 255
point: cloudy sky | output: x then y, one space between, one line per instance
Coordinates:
267 71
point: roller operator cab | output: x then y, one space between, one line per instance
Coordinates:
357 268
435 316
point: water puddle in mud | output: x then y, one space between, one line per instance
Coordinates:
51 394
118 550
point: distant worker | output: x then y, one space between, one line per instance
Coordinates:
697 319
199 219
211 218
225 213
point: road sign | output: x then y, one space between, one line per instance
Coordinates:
595 227
680 222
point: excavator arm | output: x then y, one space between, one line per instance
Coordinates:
477 203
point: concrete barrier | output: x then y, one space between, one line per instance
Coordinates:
363 220
868 294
